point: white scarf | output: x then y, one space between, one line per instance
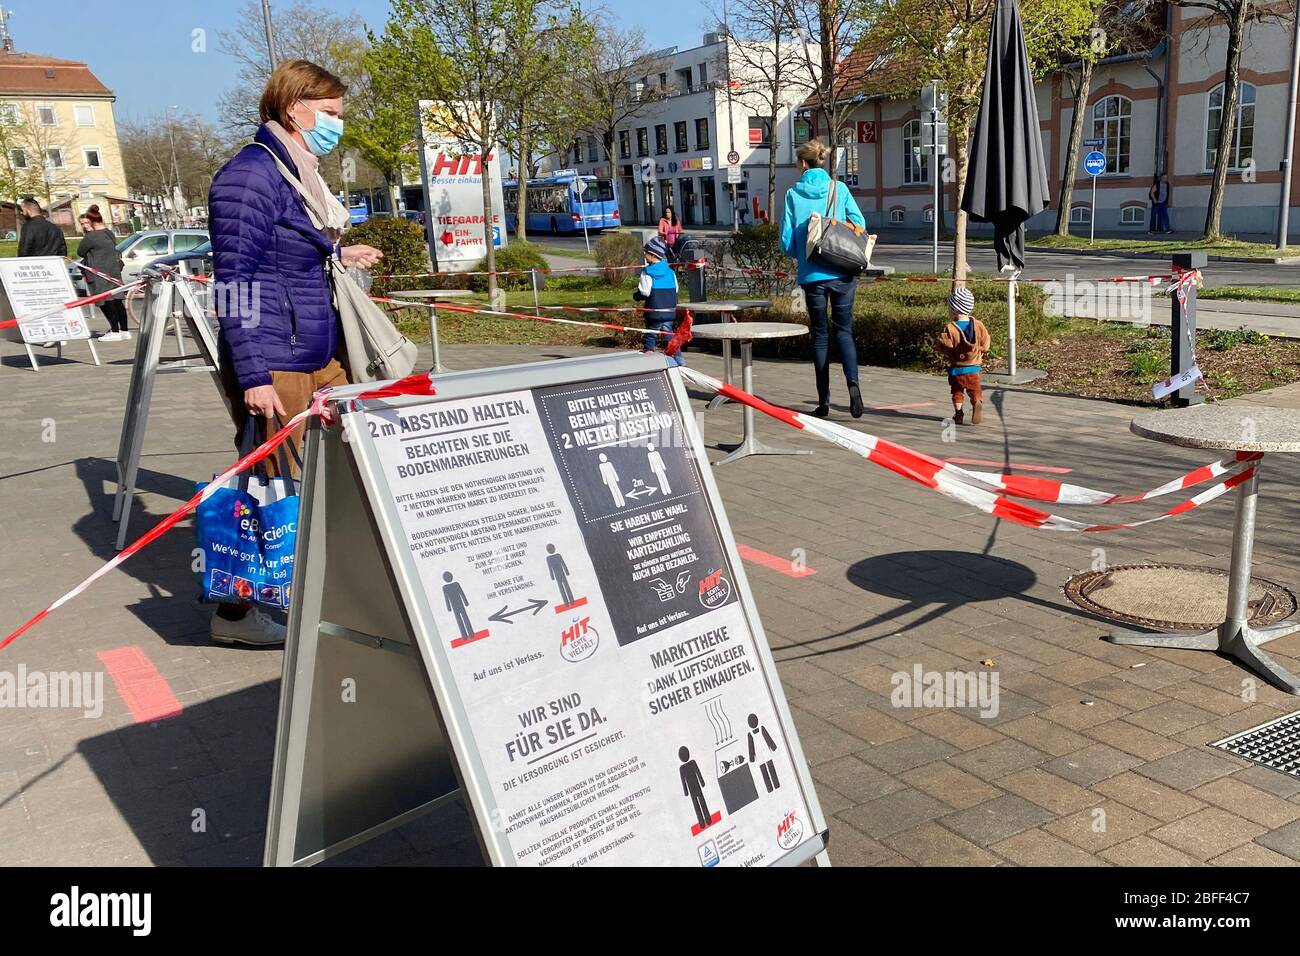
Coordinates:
327 211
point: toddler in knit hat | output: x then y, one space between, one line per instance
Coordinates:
963 342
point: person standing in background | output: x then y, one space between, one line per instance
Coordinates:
40 237
98 251
1159 196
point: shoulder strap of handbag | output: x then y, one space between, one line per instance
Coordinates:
296 183
830 200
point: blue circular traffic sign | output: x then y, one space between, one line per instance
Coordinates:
1095 163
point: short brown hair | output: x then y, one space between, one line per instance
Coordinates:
296 80
813 152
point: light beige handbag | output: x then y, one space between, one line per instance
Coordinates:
376 351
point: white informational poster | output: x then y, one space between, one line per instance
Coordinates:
33 287
578 579
454 193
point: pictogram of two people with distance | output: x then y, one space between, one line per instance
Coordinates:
457 602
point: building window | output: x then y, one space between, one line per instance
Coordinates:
643 142
54 158
661 140
592 152
46 116
1081 214
624 144
91 155
684 80
916 164
1243 136
8 114
896 216
663 82
703 74
846 158
18 158
85 115
1132 215
760 133
577 151
1112 121
702 133
679 133
928 214
802 130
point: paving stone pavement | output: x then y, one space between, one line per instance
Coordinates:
1096 756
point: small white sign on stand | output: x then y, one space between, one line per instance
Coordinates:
34 289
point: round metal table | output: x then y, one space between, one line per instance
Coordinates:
745 333
1229 428
726 309
434 294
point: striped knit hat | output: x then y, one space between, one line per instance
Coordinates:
961 300
657 248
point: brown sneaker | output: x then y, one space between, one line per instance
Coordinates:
976 413
959 417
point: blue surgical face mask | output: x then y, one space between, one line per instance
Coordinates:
325 135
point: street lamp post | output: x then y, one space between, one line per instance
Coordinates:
177 195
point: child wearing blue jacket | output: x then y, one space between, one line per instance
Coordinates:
658 290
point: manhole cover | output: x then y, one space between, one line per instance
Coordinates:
1275 744
1173 597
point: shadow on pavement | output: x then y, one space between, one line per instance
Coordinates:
195 788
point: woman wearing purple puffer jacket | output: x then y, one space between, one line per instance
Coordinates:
279 338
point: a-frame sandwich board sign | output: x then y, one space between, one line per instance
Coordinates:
523 592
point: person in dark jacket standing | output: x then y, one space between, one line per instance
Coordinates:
40 237
98 251
279 330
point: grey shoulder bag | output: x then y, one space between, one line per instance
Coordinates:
838 245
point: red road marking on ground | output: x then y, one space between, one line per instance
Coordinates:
888 408
772 561
138 683
1052 469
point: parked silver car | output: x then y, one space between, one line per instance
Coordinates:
141 248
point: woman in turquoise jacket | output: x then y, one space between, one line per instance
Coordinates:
822 286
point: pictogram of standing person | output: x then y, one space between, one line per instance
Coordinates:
457 604
693 787
610 477
769 765
657 466
559 574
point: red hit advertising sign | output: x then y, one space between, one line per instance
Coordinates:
866 131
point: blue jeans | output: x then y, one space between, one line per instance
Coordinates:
655 343
840 293
1160 217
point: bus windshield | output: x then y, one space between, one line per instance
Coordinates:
600 190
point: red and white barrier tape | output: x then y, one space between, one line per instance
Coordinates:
676 338
783 274
396 299
977 489
85 268
74 304
694 264
412 385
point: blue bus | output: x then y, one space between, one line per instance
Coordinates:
554 206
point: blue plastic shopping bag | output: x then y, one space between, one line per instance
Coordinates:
246 534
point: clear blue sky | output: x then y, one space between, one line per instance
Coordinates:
142 49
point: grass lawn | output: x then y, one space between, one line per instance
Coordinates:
10 249
1249 293
1230 247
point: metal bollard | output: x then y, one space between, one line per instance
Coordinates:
697 283
1182 326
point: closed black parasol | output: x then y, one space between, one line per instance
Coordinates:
1007 179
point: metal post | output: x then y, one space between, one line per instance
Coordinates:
1243 543
270 34
1183 331
433 332
429 236
1092 212
1011 324
537 304
1284 205
934 175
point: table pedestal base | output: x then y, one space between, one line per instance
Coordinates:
752 446
749 444
1233 639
